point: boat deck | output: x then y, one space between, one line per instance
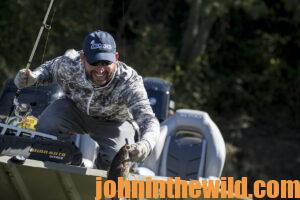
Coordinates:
36 180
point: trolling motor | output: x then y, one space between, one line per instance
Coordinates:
23 143
19 139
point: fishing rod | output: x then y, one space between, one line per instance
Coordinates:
44 25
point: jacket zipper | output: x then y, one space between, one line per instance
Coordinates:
89 103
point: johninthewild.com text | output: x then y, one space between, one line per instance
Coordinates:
225 187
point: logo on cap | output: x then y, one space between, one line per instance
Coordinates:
95 45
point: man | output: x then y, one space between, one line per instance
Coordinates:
103 97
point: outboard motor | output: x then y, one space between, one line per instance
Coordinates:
158 92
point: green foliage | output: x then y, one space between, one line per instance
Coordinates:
257 62
222 56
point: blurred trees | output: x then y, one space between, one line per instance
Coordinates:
232 58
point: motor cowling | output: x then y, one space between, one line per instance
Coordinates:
158 91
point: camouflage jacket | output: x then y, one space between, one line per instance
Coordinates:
123 98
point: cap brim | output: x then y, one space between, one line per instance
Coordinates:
101 56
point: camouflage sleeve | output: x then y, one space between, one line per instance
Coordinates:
46 71
141 111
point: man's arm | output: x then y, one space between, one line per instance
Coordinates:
46 71
43 75
142 113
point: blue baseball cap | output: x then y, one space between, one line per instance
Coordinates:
99 45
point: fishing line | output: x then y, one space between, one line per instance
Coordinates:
44 25
48 27
123 30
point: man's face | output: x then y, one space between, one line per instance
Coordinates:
100 72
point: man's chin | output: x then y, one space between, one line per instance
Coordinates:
100 82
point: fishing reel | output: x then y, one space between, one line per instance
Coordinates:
22 117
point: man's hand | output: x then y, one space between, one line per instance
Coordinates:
25 78
139 151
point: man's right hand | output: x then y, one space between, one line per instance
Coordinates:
25 78
139 151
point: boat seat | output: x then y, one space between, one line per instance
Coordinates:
190 146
